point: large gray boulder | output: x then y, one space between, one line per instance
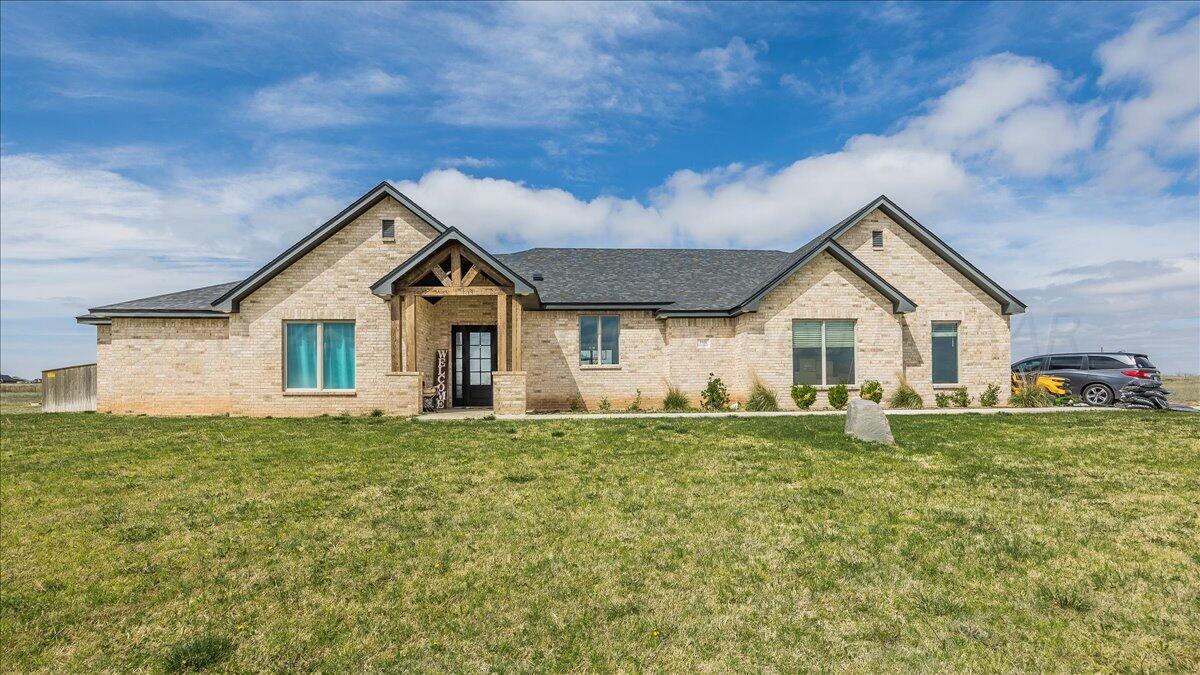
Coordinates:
865 421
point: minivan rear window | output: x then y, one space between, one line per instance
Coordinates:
1065 363
1143 361
1107 362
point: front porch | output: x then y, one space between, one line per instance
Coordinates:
456 326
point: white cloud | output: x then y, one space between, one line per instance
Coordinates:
735 65
467 162
313 101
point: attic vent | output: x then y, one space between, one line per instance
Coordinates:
388 230
537 276
877 239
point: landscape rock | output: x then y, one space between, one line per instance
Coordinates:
865 421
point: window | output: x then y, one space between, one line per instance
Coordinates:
1029 366
822 352
319 355
877 239
1108 362
945 352
1065 363
599 340
389 229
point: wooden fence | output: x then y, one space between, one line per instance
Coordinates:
71 389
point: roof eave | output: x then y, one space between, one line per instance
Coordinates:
228 302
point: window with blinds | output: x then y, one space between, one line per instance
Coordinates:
945 352
822 351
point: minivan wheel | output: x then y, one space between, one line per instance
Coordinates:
1097 394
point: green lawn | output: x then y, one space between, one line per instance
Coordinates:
1031 542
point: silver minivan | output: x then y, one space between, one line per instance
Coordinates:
1095 378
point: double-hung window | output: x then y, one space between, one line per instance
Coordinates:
319 355
822 351
945 352
599 340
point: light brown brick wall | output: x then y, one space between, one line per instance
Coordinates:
332 282
163 366
508 393
941 293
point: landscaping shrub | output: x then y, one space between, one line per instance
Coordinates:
714 396
839 396
605 405
990 396
575 404
872 390
960 397
761 398
942 399
804 395
676 400
1028 393
905 396
636 406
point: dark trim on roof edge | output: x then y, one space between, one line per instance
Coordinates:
229 300
383 287
108 315
1009 303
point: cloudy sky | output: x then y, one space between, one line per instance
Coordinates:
146 148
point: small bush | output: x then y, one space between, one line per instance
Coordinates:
872 391
990 396
575 404
961 398
714 396
804 395
376 413
905 396
605 405
839 396
761 398
636 406
676 400
1029 393
942 399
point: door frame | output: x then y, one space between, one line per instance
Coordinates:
457 401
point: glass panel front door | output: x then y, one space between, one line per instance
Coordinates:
474 359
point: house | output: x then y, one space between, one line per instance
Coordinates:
353 317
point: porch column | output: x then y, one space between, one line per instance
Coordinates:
410 333
502 332
516 333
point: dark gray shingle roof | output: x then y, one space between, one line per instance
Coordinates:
193 300
687 279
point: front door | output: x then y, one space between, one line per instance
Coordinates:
474 357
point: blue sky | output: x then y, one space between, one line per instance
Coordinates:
146 148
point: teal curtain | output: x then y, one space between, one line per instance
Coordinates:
338 359
945 352
806 352
301 356
839 352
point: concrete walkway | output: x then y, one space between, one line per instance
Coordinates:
480 413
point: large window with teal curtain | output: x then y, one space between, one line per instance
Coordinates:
822 351
319 355
945 352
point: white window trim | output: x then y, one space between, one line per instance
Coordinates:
957 354
824 378
599 340
320 388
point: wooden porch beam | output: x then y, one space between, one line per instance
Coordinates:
501 333
516 333
410 333
397 341
470 276
455 266
443 291
441 275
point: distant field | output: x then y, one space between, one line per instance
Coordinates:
1183 388
20 397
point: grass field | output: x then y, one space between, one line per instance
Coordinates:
20 397
1029 542
1183 388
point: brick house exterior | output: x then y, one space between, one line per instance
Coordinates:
410 286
